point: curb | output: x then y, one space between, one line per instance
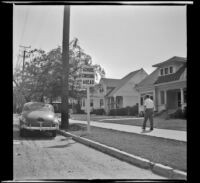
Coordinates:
132 159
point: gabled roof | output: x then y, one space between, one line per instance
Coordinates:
123 81
171 77
112 88
173 59
149 80
110 82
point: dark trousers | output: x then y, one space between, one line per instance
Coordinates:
148 115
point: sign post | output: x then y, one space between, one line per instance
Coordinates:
88 109
87 80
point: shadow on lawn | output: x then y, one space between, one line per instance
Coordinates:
146 131
62 146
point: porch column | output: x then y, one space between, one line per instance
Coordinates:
105 104
115 104
139 104
154 99
108 103
182 98
165 96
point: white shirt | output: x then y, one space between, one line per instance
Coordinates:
148 103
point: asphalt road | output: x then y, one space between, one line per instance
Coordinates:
39 156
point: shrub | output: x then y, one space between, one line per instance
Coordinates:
185 112
112 112
133 111
81 112
141 114
98 112
127 111
77 109
179 114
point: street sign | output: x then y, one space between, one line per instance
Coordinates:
87 76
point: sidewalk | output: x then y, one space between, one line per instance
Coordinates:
168 134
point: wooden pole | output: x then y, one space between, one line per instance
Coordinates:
65 73
88 109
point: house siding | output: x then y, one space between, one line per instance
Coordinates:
130 101
128 91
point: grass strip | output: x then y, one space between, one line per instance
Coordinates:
159 150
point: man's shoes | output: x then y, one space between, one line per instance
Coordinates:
151 129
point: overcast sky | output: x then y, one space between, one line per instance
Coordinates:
119 38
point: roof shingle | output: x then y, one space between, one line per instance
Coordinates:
171 77
173 59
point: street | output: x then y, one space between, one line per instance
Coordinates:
39 156
87 107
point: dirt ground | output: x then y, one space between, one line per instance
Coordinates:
39 156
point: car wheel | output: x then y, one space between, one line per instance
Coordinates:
53 133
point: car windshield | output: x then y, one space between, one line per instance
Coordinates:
38 107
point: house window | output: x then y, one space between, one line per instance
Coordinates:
141 101
161 72
101 90
101 102
83 103
170 69
91 103
166 70
162 97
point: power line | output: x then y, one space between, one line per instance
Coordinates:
41 29
25 22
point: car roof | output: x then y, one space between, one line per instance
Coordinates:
32 103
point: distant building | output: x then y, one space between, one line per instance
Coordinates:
116 93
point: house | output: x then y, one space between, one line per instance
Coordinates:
116 93
125 93
97 94
166 85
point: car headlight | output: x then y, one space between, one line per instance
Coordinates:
56 121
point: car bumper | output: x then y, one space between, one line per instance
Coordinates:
40 128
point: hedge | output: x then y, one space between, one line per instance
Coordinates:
179 114
98 111
127 111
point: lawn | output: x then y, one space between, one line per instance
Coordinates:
167 152
171 124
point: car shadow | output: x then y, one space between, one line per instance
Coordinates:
62 146
36 135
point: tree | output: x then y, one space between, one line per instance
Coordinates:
42 73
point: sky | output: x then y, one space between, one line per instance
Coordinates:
121 38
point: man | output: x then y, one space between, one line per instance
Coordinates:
148 112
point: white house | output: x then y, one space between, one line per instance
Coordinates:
116 93
125 94
166 85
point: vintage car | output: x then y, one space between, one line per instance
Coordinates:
38 116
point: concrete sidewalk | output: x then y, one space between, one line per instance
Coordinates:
168 134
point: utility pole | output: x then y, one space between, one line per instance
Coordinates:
24 56
65 73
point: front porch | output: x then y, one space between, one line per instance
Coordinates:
114 102
171 98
